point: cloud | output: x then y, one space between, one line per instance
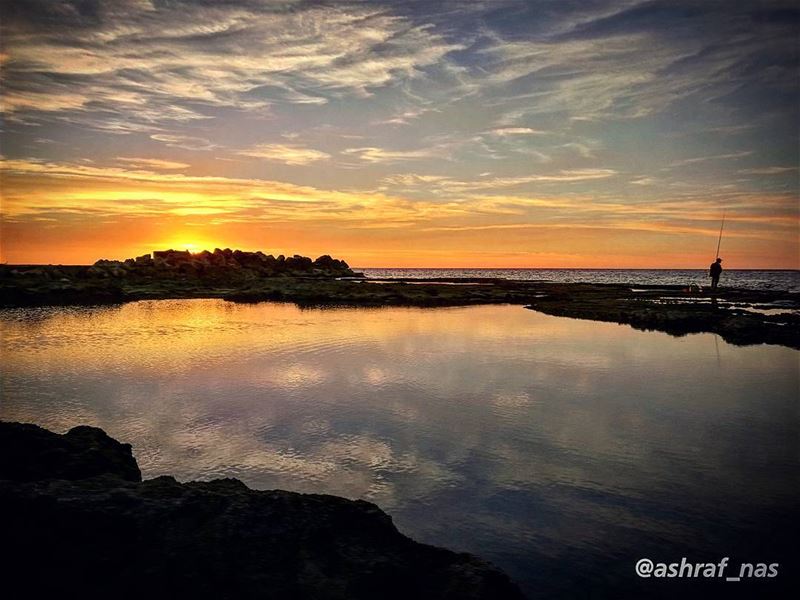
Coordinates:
506 131
628 60
412 179
186 142
379 155
702 159
150 65
554 104
153 163
287 154
449 185
768 171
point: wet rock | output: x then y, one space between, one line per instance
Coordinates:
96 531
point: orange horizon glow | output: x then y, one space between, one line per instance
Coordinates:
731 260
114 213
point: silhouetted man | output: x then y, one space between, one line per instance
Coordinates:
714 271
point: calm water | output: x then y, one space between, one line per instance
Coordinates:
562 450
746 279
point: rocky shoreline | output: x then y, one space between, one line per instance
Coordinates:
738 316
78 520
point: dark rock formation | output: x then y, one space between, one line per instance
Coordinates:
227 264
77 521
165 274
732 314
30 453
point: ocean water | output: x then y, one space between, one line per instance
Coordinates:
561 450
745 279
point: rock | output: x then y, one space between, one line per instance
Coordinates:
29 453
299 263
77 520
327 263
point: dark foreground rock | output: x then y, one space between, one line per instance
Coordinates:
77 521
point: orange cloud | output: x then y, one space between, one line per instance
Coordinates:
60 212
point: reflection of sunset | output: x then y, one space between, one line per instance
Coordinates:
342 400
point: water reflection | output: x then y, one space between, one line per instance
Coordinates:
560 449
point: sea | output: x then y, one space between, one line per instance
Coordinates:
786 280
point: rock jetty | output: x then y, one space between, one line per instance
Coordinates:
162 274
78 521
227 264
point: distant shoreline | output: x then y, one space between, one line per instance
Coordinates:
358 268
739 316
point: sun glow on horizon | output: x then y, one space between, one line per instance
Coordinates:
402 135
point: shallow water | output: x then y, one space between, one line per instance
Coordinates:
561 450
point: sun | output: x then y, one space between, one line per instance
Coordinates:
193 246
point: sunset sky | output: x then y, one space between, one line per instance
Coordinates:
546 133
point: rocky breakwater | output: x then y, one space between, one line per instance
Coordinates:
224 265
77 520
162 274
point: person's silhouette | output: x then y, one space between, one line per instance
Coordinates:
714 271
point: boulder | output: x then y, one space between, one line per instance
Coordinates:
29 453
76 520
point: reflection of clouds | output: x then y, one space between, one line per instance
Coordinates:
511 400
479 427
297 375
375 376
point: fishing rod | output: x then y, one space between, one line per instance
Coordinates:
719 241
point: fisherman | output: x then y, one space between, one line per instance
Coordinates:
714 271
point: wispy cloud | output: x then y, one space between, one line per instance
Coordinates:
284 153
768 171
148 65
381 155
702 159
186 142
153 163
506 131
459 187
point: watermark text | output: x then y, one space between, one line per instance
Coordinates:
685 569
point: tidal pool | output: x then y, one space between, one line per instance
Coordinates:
561 450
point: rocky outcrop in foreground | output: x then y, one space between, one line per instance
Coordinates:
78 521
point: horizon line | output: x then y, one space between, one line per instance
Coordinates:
478 268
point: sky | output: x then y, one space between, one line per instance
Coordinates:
540 133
